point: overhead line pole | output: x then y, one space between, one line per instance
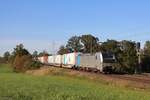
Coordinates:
138 69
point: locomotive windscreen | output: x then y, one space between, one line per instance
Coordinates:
108 57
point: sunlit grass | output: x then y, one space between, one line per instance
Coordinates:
17 86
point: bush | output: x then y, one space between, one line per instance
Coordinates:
35 65
2 60
23 63
118 69
20 63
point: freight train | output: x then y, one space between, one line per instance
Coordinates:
99 61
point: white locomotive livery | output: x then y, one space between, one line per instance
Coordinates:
99 61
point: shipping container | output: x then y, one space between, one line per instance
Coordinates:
50 60
57 60
70 60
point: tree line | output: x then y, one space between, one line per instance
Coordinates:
125 52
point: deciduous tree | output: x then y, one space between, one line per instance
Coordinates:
74 44
62 50
6 56
90 43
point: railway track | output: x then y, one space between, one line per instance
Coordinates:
139 79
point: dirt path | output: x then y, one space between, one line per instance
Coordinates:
137 78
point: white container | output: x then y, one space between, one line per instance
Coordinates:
63 59
70 59
50 59
58 59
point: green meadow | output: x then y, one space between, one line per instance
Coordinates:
19 86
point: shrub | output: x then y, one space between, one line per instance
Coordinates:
35 65
23 63
2 60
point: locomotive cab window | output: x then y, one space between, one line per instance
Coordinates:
108 57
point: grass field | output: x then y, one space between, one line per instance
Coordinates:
17 86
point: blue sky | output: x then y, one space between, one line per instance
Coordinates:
46 24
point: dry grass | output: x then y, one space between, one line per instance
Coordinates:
115 80
62 84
